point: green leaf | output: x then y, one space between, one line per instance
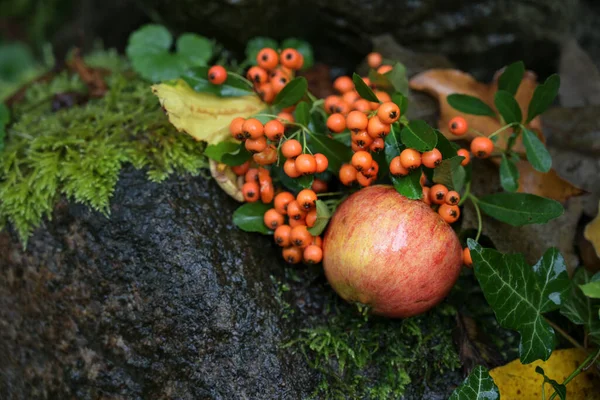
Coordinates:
323 216
336 152
592 289
291 93
294 185
303 47
197 78
560 389
509 174
537 154
401 101
393 144
237 157
581 309
394 79
303 113
196 49
520 294
250 217
257 44
4 115
149 39
511 78
445 147
508 107
363 90
450 173
409 185
419 135
543 96
470 105
519 209
2 137
217 151
479 385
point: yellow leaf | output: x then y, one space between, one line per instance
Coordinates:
592 232
204 116
518 381
227 179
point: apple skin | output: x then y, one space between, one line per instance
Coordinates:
394 254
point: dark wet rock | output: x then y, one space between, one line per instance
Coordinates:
166 299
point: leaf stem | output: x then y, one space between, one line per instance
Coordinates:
499 130
583 366
465 194
564 334
329 194
479 220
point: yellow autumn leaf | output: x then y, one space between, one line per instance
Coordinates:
204 116
227 179
592 232
518 381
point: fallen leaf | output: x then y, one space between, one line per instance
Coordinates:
592 232
204 116
519 381
92 77
474 348
440 83
227 179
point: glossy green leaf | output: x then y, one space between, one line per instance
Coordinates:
419 135
363 90
445 147
302 113
520 294
250 217
4 114
559 388
543 96
401 101
479 385
509 175
592 289
581 309
409 185
336 152
450 173
511 78
393 144
323 216
197 78
291 93
217 151
537 154
519 209
470 105
237 157
257 44
508 107
303 47
197 49
393 80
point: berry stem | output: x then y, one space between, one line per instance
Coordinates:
465 194
499 130
329 194
479 220
583 366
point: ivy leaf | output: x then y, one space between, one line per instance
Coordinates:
336 152
291 93
363 90
303 47
450 173
445 147
511 78
592 289
560 389
579 308
257 44
543 96
323 216
509 174
479 385
401 101
197 49
302 113
508 107
419 135
393 144
4 115
520 294
519 209
217 151
470 105
234 86
250 217
537 154
409 185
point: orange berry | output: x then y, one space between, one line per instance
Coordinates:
266 92
318 185
452 198
281 202
285 117
317 241
384 69
426 199
278 83
363 180
295 211
376 128
292 255
273 219
251 175
423 179
458 126
256 145
306 164
235 128
291 148
300 236
250 191
367 82
274 130
322 162
257 75
362 105
313 254
374 59
377 145
482 147
372 171
240 170
396 167
467 260
307 199
356 147
311 218
289 167
437 194
362 160
356 121
362 140
343 84
331 103
297 222
282 235
266 157
267 58
383 97
464 153
217 74
388 112
449 213
291 59
431 159
347 174
267 192
253 128
350 97
336 123
410 159
343 107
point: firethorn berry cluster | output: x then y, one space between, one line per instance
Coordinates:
274 71
258 139
481 146
299 163
258 184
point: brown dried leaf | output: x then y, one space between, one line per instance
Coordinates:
592 233
473 347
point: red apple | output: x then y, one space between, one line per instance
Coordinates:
394 254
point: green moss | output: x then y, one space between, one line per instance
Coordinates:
78 152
